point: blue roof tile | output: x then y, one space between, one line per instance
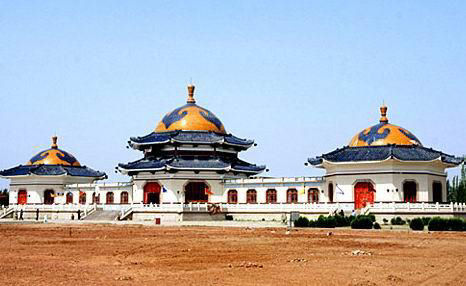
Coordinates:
198 137
379 153
193 162
52 170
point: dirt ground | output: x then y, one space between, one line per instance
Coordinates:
37 254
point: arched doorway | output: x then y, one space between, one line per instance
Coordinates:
124 198
49 197
22 197
251 196
292 196
152 193
232 197
363 194
95 198
437 192
271 196
313 195
409 191
69 198
109 198
82 198
196 192
330 193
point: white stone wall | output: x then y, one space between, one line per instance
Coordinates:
387 178
281 185
101 189
175 185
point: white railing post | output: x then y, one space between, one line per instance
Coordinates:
422 206
409 206
437 206
451 206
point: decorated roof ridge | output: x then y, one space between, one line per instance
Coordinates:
209 137
384 133
52 170
207 163
390 153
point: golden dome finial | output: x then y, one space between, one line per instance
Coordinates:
383 113
191 94
54 142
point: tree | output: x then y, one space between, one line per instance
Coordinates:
4 195
457 189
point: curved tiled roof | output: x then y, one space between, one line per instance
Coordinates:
190 117
53 156
52 170
384 133
192 163
196 137
380 153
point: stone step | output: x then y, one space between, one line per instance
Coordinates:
101 215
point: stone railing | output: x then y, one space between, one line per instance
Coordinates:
85 209
6 211
224 207
347 207
124 213
390 207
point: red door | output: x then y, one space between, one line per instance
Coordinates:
22 197
69 198
152 193
363 195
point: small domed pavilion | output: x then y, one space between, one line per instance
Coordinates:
385 163
43 178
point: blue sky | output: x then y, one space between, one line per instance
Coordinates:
299 77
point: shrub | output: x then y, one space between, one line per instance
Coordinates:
362 222
301 222
312 223
326 222
331 222
455 224
385 221
371 217
425 220
342 220
438 224
377 225
397 221
416 224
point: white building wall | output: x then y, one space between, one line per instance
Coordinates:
387 178
281 185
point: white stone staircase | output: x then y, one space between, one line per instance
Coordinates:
102 215
6 211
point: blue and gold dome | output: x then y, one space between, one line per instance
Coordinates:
54 156
190 117
384 133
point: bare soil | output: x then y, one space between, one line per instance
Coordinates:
142 255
